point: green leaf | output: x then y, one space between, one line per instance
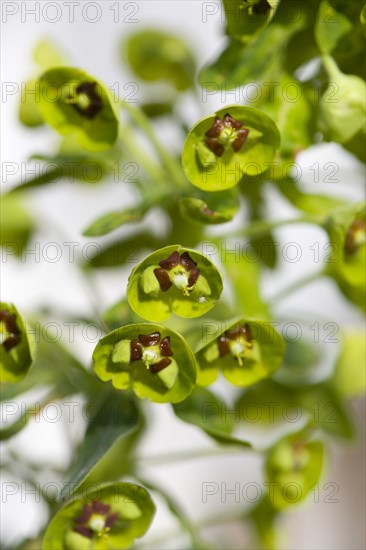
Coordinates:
116 417
247 18
349 377
244 276
222 165
174 279
17 347
16 225
293 467
343 116
72 101
210 208
245 350
113 220
203 409
264 516
124 251
155 55
241 64
308 202
155 361
288 103
126 507
330 27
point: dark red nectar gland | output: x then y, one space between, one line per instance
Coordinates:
89 101
95 519
259 8
224 133
355 236
153 350
13 334
237 341
178 270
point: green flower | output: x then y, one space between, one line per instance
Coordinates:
71 101
16 346
155 361
293 467
112 516
174 279
155 56
347 233
246 17
222 148
245 351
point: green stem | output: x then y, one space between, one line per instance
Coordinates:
170 163
261 227
176 510
129 143
189 455
296 286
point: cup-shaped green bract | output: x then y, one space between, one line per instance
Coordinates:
342 116
224 147
210 208
112 516
293 467
174 280
246 351
246 18
155 361
155 55
16 346
347 233
72 101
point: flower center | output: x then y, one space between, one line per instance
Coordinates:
224 133
97 523
355 236
9 332
150 356
180 281
238 342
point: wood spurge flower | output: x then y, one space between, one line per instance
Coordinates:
154 360
174 280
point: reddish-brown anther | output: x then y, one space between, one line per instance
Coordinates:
234 335
157 367
136 350
149 339
164 280
165 347
171 261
